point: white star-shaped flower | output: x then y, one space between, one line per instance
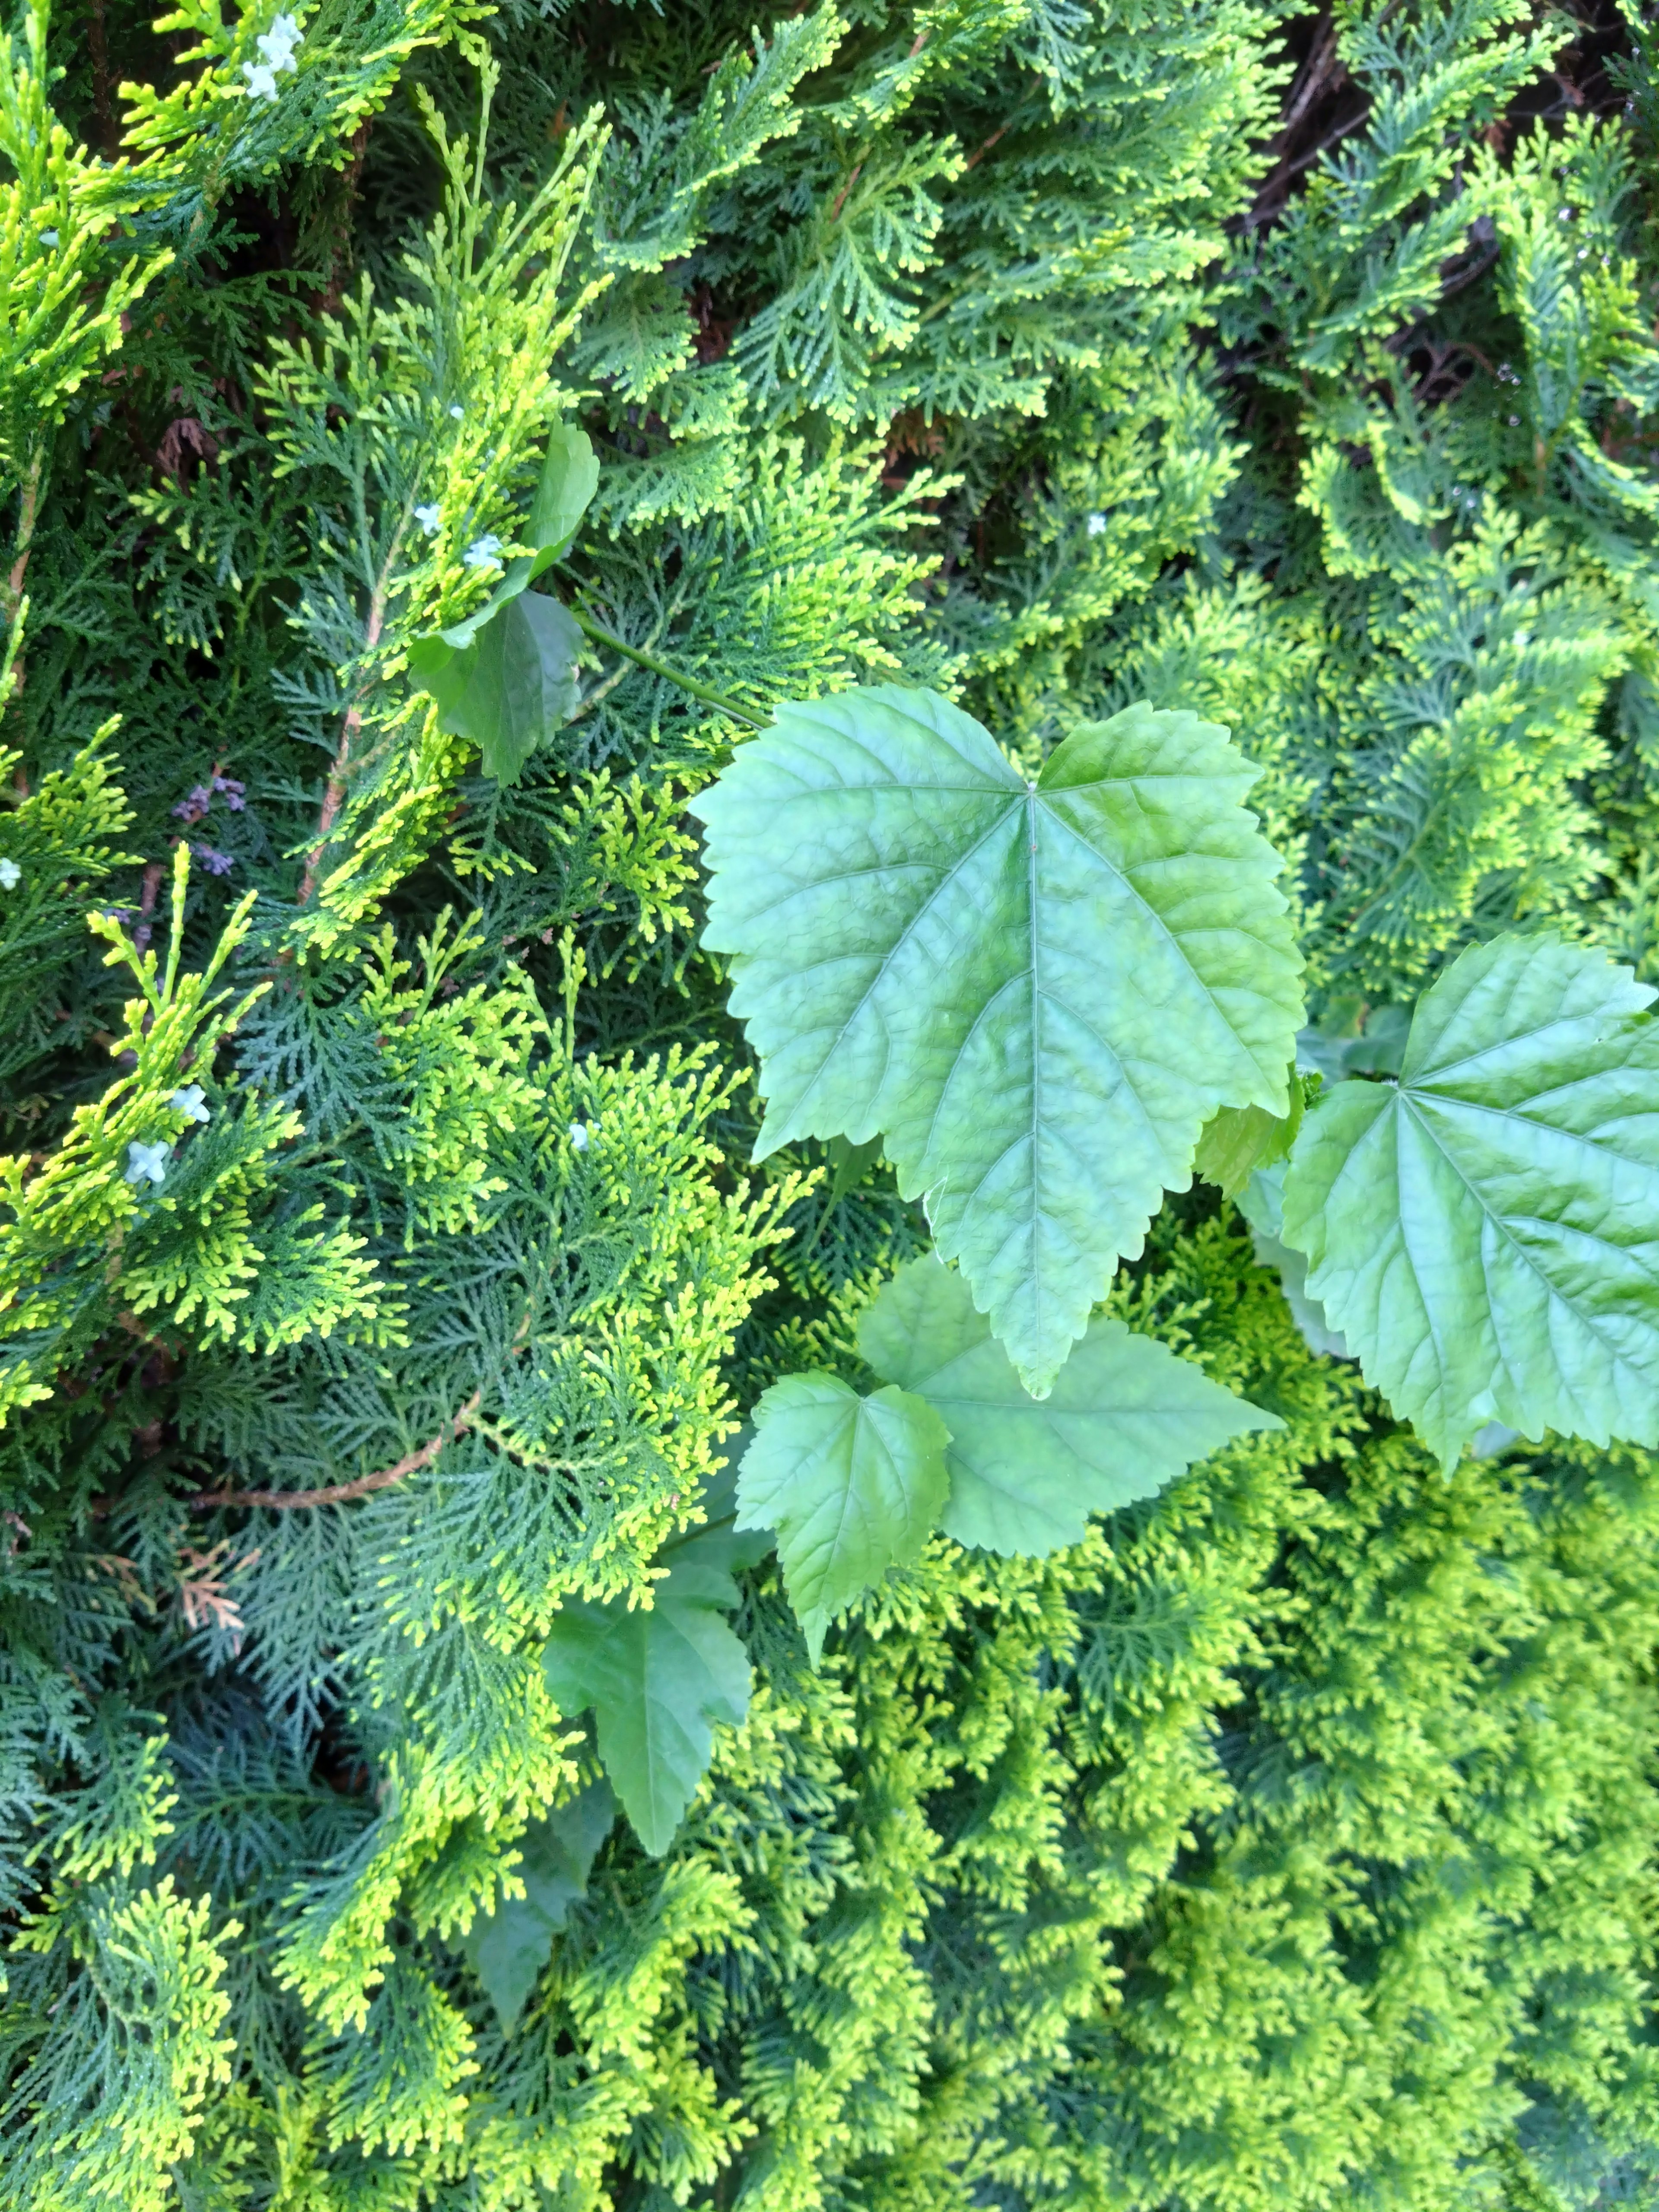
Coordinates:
49 238
482 552
579 1136
428 518
188 1102
11 875
147 1160
457 413
1096 526
261 81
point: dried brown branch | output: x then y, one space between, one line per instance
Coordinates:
342 1493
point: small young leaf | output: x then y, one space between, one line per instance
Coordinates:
1486 1235
852 1486
514 685
508 1947
569 477
1239 1139
1124 1417
564 492
1036 993
657 1681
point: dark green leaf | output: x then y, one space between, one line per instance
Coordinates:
512 687
508 1947
569 477
850 1164
656 1682
1125 1416
852 1486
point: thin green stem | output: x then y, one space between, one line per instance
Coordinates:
649 660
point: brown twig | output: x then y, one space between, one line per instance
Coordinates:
975 158
153 875
841 197
342 1493
334 791
109 136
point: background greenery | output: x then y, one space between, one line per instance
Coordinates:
1288 1842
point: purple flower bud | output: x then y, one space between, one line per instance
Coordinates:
234 792
216 864
194 804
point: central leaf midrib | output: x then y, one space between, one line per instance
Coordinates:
1422 1122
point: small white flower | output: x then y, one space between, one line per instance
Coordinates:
457 413
482 552
261 81
49 238
579 1136
278 44
149 1160
428 517
1096 526
188 1102
1515 422
11 875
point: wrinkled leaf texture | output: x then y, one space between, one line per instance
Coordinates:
1035 994
1485 1234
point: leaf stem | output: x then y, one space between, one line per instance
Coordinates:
649 660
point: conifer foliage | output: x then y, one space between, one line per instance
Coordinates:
830 1226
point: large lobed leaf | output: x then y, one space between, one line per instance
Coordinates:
1486 1235
1125 1417
1037 995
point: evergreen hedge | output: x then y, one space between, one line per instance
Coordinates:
387 1310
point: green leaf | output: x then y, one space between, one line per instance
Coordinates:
657 1681
1036 994
512 687
1486 1235
564 492
1242 1138
850 1164
852 1486
1261 1202
508 1947
569 477
1125 1417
